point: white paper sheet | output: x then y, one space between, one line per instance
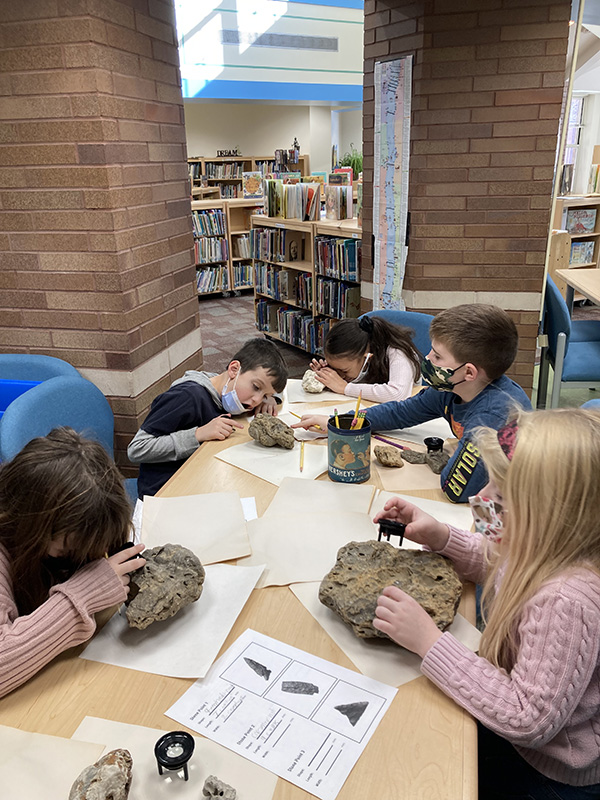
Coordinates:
433 427
249 506
458 514
185 645
294 393
320 497
380 659
273 464
324 410
33 765
250 781
410 477
304 738
303 547
210 525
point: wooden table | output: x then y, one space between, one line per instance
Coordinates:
586 281
425 746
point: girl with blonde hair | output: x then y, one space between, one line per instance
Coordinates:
534 687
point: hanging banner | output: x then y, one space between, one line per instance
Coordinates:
393 80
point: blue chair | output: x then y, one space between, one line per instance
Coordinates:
65 400
25 367
575 360
593 405
410 319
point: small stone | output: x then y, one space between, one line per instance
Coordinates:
213 787
172 578
389 456
270 431
310 383
299 687
364 569
414 457
108 779
437 461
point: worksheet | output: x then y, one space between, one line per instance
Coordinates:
273 464
305 719
294 393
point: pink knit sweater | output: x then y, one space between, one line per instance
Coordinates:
398 387
548 706
66 619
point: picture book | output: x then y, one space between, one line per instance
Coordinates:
338 179
345 169
581 220
338 202
319 178
582 253
293 246
594 180
252 185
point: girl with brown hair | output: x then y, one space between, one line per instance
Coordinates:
63 508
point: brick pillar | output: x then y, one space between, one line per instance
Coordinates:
95 239
488 78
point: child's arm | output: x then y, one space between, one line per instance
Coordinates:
428 404
398 387
28 643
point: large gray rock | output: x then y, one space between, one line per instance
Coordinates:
172 578
108 779
270 431
364 569
310 383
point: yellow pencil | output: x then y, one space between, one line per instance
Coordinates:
355 417
337 422
318 427
301 456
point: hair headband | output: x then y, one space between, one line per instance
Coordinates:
507 438
366 324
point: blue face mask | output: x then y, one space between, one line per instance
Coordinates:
231 402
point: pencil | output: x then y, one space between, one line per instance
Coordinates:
355 418
362 415
337 422
393 444
318 427
301 456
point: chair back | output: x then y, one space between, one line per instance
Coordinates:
25 367
415 320
556 318
61 401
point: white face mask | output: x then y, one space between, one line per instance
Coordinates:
364 369
231 402
487 515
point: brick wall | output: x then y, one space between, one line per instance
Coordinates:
95 231
488 78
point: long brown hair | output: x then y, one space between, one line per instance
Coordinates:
352 338
61 485
552 495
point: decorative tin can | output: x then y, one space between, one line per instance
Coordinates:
349 450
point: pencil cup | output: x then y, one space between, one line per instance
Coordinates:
349 450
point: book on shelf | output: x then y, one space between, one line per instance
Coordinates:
285 177
214 279
338 258
242 275
338 202
580 220
338 299
227 169
252 185
317 177
209 249
594 180
266 316
582 252
294 243
347 170
339 179
359 201
292 201
209 222
268 244
241 246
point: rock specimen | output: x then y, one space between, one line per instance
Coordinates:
299 687
310 383
353 711
108 779
270 431
437 461
389 456
213 787
259 668
414 457
171 579
364 569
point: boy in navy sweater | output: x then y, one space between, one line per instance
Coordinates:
472 346
198 408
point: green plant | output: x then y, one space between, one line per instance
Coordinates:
352 159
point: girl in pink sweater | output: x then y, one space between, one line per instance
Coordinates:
534 688
371 357
62 508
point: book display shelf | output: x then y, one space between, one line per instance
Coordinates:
306 276
222 244
225 174
576 236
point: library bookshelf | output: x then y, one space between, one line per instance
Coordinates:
225 174
222 244
582 246
306 277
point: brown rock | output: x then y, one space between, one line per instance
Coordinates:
310 382
389 456
437 461
171 579
413 456
270 431
364 569
108 779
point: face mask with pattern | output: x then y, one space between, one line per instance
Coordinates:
439 377
487 515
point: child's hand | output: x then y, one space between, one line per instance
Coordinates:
268 406
218 428
314 421
420 527
318 363
405 621
125 561
331 379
